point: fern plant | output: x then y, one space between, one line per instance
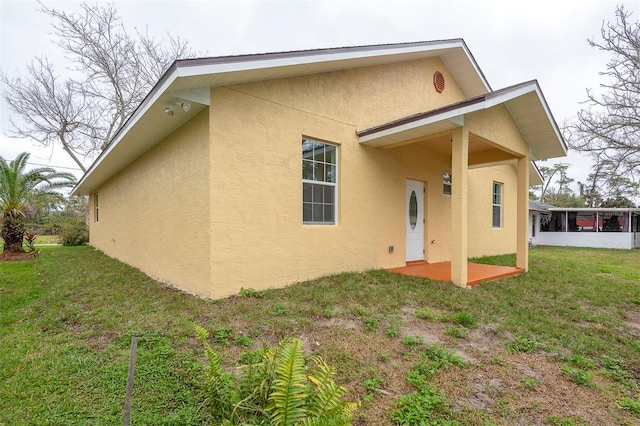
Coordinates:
284 388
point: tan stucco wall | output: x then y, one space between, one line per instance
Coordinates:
484 240
362 97
153 214
496 124
258 239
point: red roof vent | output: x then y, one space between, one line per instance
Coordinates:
438 81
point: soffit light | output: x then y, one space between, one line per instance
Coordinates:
186 106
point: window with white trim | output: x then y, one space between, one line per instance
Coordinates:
319 182
95 206
446 183
497 205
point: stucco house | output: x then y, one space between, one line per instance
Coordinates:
259 171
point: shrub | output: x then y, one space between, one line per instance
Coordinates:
283 388
74 233
30 239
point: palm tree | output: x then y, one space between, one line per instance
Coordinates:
17 187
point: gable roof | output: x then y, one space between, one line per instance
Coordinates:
525 102
227 70
191 80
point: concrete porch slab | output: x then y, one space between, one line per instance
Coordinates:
476 273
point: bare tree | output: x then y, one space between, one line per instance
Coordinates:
109 72
49 109
608 128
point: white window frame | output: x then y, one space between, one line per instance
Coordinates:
324 181
446 183
95 207
496 202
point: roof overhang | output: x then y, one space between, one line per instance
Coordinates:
192 79
535 177
525 102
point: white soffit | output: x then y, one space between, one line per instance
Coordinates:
534 175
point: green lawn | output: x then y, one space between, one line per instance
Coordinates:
559 345
42 239
47 239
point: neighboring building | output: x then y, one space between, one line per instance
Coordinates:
617 228
258 171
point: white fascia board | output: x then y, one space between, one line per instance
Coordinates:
511 94
456 119
455 116
186 70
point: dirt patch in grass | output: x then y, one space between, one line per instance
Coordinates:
508 388
100 341
528 389
632 321
6 256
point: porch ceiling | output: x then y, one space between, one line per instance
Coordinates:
481 152
525 103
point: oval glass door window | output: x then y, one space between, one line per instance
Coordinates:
413 210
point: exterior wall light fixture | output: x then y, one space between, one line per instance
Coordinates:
186 106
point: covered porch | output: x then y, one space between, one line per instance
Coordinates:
476 273
512 126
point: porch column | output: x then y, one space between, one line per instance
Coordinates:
459 188
522 241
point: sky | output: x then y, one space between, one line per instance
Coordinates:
512 41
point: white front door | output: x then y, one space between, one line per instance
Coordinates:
415 220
